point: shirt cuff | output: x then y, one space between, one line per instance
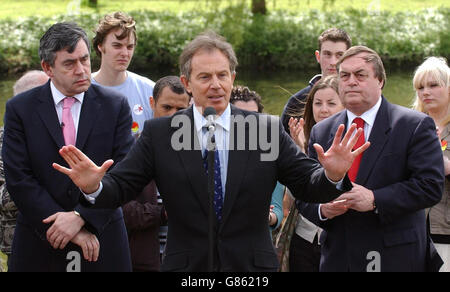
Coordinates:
91 197
338 184
320 214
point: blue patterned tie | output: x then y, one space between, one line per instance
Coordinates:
218 192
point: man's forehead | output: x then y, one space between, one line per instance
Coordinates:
115 34
334 46
355 63
80 51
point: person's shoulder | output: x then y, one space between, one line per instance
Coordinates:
106 95
141 80
403 115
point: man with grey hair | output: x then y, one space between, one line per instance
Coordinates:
380 225
8 210
54 231
243 182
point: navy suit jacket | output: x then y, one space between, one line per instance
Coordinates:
32 139
242 239
404 169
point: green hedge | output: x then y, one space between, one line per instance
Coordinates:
280 40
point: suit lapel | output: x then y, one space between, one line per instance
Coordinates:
47 112
237 165
88 117
192 162
378 138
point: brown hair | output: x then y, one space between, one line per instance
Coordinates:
208 41
330 81
370 57
243 93
117 20
335 35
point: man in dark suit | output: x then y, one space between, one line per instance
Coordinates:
380 224
53 228
170 151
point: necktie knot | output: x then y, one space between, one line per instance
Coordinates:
68 102
359 123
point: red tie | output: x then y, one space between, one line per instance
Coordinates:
353 171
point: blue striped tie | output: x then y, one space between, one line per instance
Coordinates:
218 192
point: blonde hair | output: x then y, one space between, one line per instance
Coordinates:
436 69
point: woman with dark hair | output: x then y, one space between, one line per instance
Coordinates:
322 102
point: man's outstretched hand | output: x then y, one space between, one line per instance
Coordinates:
83 172
339 158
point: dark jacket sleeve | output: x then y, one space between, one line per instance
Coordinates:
304 176
311 210
31 198
126 181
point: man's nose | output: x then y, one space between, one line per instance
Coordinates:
352 80
215 83
79 68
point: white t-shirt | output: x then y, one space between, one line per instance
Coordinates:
137 89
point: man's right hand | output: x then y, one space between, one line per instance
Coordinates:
88 243
83 172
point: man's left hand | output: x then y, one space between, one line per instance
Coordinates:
66 225
359 199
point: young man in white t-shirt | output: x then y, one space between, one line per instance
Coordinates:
114 42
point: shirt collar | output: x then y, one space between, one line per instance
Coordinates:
58 96
223 120
369 116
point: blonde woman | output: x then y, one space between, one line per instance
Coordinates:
432 84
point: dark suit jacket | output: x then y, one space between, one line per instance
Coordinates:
33 137
404 169
242 239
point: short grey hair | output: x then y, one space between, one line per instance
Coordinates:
208 41
60 36
30 80
370 57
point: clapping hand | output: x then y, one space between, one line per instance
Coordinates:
297 133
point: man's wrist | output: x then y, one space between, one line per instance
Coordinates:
90 191
79 216
333 177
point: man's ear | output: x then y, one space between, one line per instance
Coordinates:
47 68
152 103
186 83
317 54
